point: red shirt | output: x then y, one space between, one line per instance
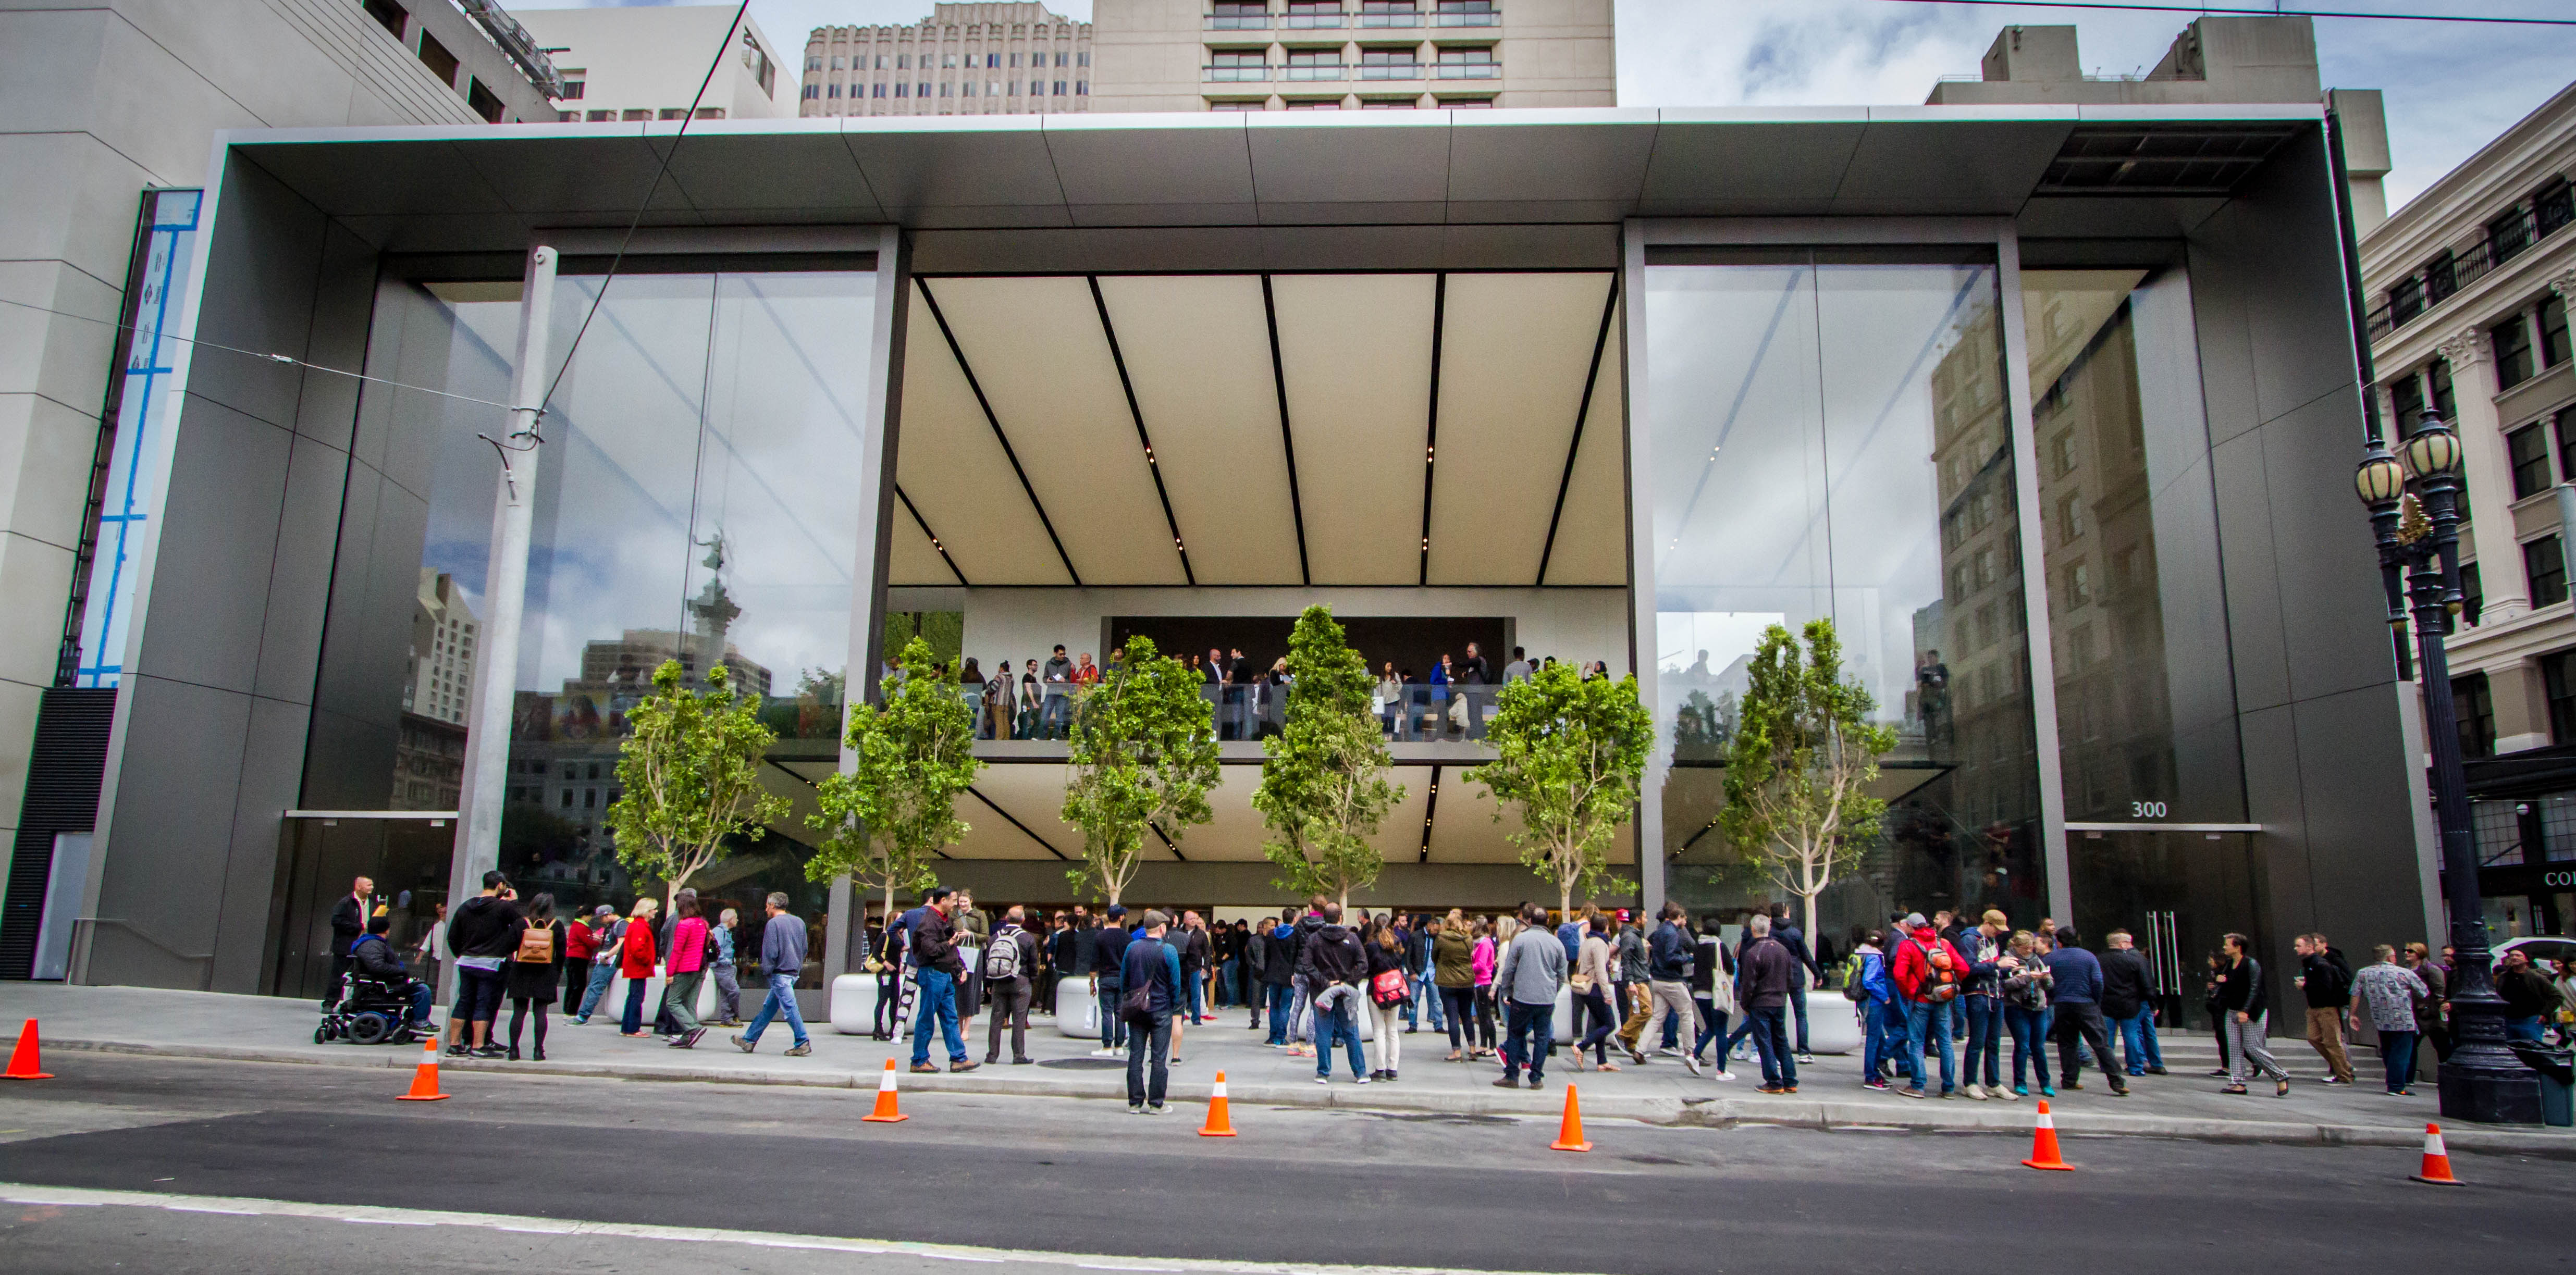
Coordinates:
636 959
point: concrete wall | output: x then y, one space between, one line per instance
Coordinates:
2327 752
1151 55
651 58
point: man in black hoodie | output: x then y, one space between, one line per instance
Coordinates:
2327 980
478 936
2128 1001
1334 965
1279 974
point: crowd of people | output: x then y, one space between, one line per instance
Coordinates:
1452 697
1937 999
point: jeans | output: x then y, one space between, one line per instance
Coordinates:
1526 1038
782 999
2397 1050
680 999
2524 1028
1154 1042
420 996
2028 1027
2138 1049
633 1023
1010 1005
2078 1025
1771 1041
1277 995
1985 1040
938 1004
479 992
1335 1020
728 993
601 972
1191 977
1113 1031
1798 1005
1485 1015
1458 1009
1603 1024
1712 1026
1877 1042
1926 1022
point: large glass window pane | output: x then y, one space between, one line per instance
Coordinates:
1829 439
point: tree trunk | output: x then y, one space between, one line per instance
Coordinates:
1811 921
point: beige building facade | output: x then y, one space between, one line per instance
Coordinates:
964 59
1247 55
648 62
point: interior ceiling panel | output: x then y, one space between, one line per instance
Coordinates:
1198 353
1038 351
1399 836
1514 352
1592 533
915 559
1356 353
1236 834
1032 794
957 474
1464 830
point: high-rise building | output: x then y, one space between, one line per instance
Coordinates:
443 630
1259 55
964 59
648 62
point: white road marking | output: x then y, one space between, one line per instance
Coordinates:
16 1193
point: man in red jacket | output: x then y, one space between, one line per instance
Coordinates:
1929 975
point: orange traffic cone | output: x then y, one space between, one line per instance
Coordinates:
22 1060
424 1078
2043 1144
885 1112
1569 1135
2437 1159
1219 1121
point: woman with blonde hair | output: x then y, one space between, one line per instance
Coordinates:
635 960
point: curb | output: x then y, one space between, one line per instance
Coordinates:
1708 1113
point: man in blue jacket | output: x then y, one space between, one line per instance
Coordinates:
2075 993
1877 993
1153 967
1670 953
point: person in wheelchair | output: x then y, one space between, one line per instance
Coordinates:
372 959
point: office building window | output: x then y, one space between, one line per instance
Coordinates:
813 64
2555 679
597 116
2438 377
387 14
2512 340
2406 402
2507 236
1059 59
1387 104
1315 104
435 56
2544 564
1467 103
639 113
2528 450
2554 206
1082 59
2564 426
2441 277
675 112
903 61
813 91
902 90
574 83
834 91
2554 349
2474 706
2473 594
1242 104
484 101
877 91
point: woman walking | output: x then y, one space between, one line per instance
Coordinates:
2241 996
1592 981
1453 971
536 967
1490 937
1387 998
2025 986
635 961
688 968
728 987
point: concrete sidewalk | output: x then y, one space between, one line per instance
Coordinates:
2183 1104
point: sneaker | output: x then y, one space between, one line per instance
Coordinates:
1669 1052
1775 1089
1158 1109
2119 1091
2219 1072
2046 1092
1390 1077
1363 1080
1508 1082
1104 1052
800 1049
1743 1053
1690 1063
1871 1083
491 1051
1977 1092
457 1051
2155 1071
1022 1062
963 1064
1323 1080
2020 1091
925 1069
1806 1059
2074 1084
2334 1080
1726 1075
1907 1092
1948 1094
745 1046
1135 1108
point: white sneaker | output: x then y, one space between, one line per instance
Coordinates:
1669 1052
1726 1075
1323 1080
1974 1091
1363 1080
1809 1059
1743 1053
1690 1062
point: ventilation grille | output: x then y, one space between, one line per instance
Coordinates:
63 778
2162 160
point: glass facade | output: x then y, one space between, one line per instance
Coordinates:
1828 437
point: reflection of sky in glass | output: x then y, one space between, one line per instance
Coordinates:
1792 436
1697 646
700 405
462 475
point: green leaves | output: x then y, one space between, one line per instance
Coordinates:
1323 778
1803 754
691 775
1570 754
1144 756
891 813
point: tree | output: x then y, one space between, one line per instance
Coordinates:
691 775
890 815
1144 757
1803 755
1323 777
1571 753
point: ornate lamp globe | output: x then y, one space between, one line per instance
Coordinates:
2432 448
2380 480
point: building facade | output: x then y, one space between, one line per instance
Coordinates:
964 59
1253 55
648 62
2469 287
107 115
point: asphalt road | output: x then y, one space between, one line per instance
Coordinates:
1067 1176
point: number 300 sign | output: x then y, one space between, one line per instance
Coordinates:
2146 810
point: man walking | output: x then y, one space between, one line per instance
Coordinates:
782 958
1334 966
1526 982
1766 968
934 950
2327 980
1150 970
348 925
2075 997
1009 961
1108 966
2128 1000
2388 992
1670 954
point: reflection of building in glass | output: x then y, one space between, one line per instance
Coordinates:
440 681
429 764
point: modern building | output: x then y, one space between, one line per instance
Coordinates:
443 630
1254 55
649 62
2469 286
108 111
1615 386
964 59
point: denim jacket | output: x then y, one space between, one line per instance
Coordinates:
1985 977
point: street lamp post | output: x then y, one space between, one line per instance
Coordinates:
2419 539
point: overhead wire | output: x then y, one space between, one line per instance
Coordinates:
2105 5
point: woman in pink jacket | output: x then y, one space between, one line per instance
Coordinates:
1482 961
688 968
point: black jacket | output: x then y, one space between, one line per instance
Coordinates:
1332 955
1767 973
2329 984
934 944
2125 986
348 921
1108 946
1279 960
2242 992
376 960
482 927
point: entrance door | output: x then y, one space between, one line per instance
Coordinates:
407 858
2176 891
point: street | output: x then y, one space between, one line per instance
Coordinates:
201 1144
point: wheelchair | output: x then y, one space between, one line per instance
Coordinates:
371 1012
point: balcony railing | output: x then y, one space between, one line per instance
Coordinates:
1294 73
1470 70
2433 283
1467 19
1406 19
1238 22
1392 71
1312 21
1236 74
1412 712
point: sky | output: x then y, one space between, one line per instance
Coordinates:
2450 86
